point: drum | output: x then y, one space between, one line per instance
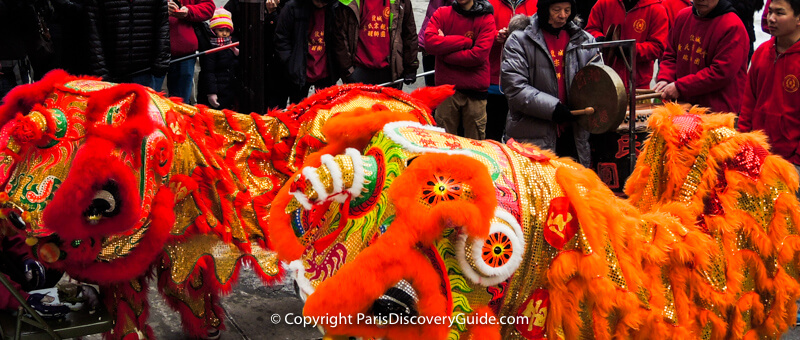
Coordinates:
611 150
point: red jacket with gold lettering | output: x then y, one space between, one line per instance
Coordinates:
707 58
772 99
647 22
462 53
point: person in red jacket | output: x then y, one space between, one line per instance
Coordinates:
496 102
643 20
461 36
771 97
183 42
673 7
705 62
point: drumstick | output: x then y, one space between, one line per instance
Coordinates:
648 96
586 111
644 91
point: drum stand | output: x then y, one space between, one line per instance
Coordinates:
630 60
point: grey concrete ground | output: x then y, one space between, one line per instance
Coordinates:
251 305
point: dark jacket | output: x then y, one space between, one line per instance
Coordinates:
291 40
19 18
403 30
746 9
219 75
528 78
128 35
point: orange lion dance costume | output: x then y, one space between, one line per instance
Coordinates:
419 225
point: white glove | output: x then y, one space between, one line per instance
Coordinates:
212 100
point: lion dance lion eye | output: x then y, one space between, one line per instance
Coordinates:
105 203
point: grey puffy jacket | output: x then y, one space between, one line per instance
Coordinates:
528 79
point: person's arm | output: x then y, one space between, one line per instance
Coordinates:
745 123
594 24
410 42
161 64
514 82
438 45
666 66
479 53
342 55
652 47
208 75
764 25
284 33
729 58
202 10
96 53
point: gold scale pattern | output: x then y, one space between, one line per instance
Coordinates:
537 187
185 256
654 159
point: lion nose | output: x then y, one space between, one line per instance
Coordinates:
400 300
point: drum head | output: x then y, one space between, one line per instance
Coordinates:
598 86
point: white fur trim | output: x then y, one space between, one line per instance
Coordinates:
298 273
508 218
311 176
466 269
358 172
302 199
390 130
336 172
486 275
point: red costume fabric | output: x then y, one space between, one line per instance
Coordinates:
647 22
673 7
373 35
707 59
772 99
503 11
183 40
317 60
556 45
459 60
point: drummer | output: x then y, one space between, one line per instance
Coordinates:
537 68
645 21
705 61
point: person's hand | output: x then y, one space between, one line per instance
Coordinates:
34 273
660 86
39 303
181 13
441 34
271 5
502 35
561 114
409 79
172 7
212 100
670 92
235 51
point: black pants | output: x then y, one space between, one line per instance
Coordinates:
428 64
496 113
372 76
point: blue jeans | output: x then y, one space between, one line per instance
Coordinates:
180 79
149 80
